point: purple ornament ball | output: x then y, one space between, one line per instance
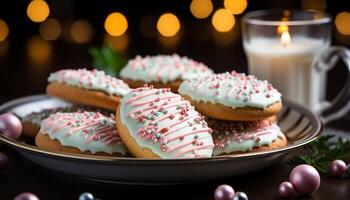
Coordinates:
337 168
10 126
26 196
286 189
305 179
3 160
224 192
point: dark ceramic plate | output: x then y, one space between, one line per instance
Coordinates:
298 124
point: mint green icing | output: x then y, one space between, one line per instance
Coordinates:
134 126
233 144
61 126
95 80
163 68
231 89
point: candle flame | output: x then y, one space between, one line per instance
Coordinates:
285 38
282 28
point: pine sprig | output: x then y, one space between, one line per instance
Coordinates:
107 59
322 152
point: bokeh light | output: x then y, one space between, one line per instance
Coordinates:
319 5
201 8
342 22
50 29
235 6
38 10
118 43
4 30
81 31
116 24
39 50
223 20
168 25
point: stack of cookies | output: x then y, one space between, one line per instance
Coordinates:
240 109
88 127
213 114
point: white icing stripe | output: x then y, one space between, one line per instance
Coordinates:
87 131
231 89
169 126
163 68
95 80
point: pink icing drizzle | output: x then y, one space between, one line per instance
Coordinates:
155 109
102 127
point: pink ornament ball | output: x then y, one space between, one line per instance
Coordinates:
286 189
10 126
337 168
26 196
305 179
224 192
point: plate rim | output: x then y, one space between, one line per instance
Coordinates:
114 159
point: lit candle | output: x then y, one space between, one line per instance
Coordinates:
288 63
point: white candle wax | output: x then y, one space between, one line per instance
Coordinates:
289 68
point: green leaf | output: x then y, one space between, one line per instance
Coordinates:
107 59
323 152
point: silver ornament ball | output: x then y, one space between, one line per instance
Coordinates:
86 196
240 196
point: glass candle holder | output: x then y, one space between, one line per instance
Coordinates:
291 49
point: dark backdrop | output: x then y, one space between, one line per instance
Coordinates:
20 76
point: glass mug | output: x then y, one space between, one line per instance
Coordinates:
291 49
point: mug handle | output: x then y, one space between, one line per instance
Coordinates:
340 105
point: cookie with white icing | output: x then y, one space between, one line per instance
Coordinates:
162 71
80 132
82 86
31 122
232 137
156 123
232 96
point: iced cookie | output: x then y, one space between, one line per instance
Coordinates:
232 96
31 122
82 133
82 86
156 123
232 137
162 71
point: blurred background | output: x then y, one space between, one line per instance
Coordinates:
38 37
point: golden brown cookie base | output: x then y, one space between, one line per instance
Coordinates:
83 96
174 85
219 111
130 142
29 129
280 142
43 141
272 119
